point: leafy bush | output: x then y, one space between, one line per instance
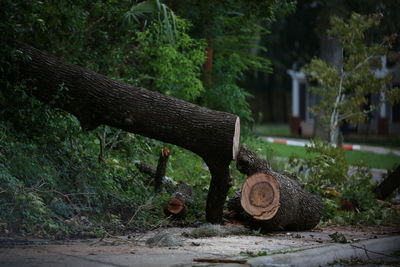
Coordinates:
327 166
346 190
229 70
56 179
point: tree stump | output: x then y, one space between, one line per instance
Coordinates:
177 205
272 201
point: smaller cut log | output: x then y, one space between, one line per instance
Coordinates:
389 184
180 199
271 200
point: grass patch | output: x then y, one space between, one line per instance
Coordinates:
383 141
373 160
283 130
272 130
370 159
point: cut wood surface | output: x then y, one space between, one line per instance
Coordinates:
177 205
260 196
271 200
95 99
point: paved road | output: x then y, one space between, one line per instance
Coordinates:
309 248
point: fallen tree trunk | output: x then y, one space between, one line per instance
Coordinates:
95 99
389 184
177 205
272 201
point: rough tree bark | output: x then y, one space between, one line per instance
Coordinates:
387 186
167 183
95 99
272 201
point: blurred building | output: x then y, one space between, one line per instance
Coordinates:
384 121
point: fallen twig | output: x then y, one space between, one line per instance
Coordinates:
149 203
219 260
370 251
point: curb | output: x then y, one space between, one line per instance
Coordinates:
368 249
305 143
366 148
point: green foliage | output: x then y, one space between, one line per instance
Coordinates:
51 178
227 72
166 17
359 190
344 90
327 168
370 159
232 30
171 68
327 173
56 179
55 184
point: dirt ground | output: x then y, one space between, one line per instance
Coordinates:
131 250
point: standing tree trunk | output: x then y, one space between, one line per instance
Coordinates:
95 99
272 201
387 186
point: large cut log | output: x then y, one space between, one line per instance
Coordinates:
95 99
271 200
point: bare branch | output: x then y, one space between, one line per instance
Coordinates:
359 65
149 203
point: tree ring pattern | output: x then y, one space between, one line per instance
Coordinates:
261 195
